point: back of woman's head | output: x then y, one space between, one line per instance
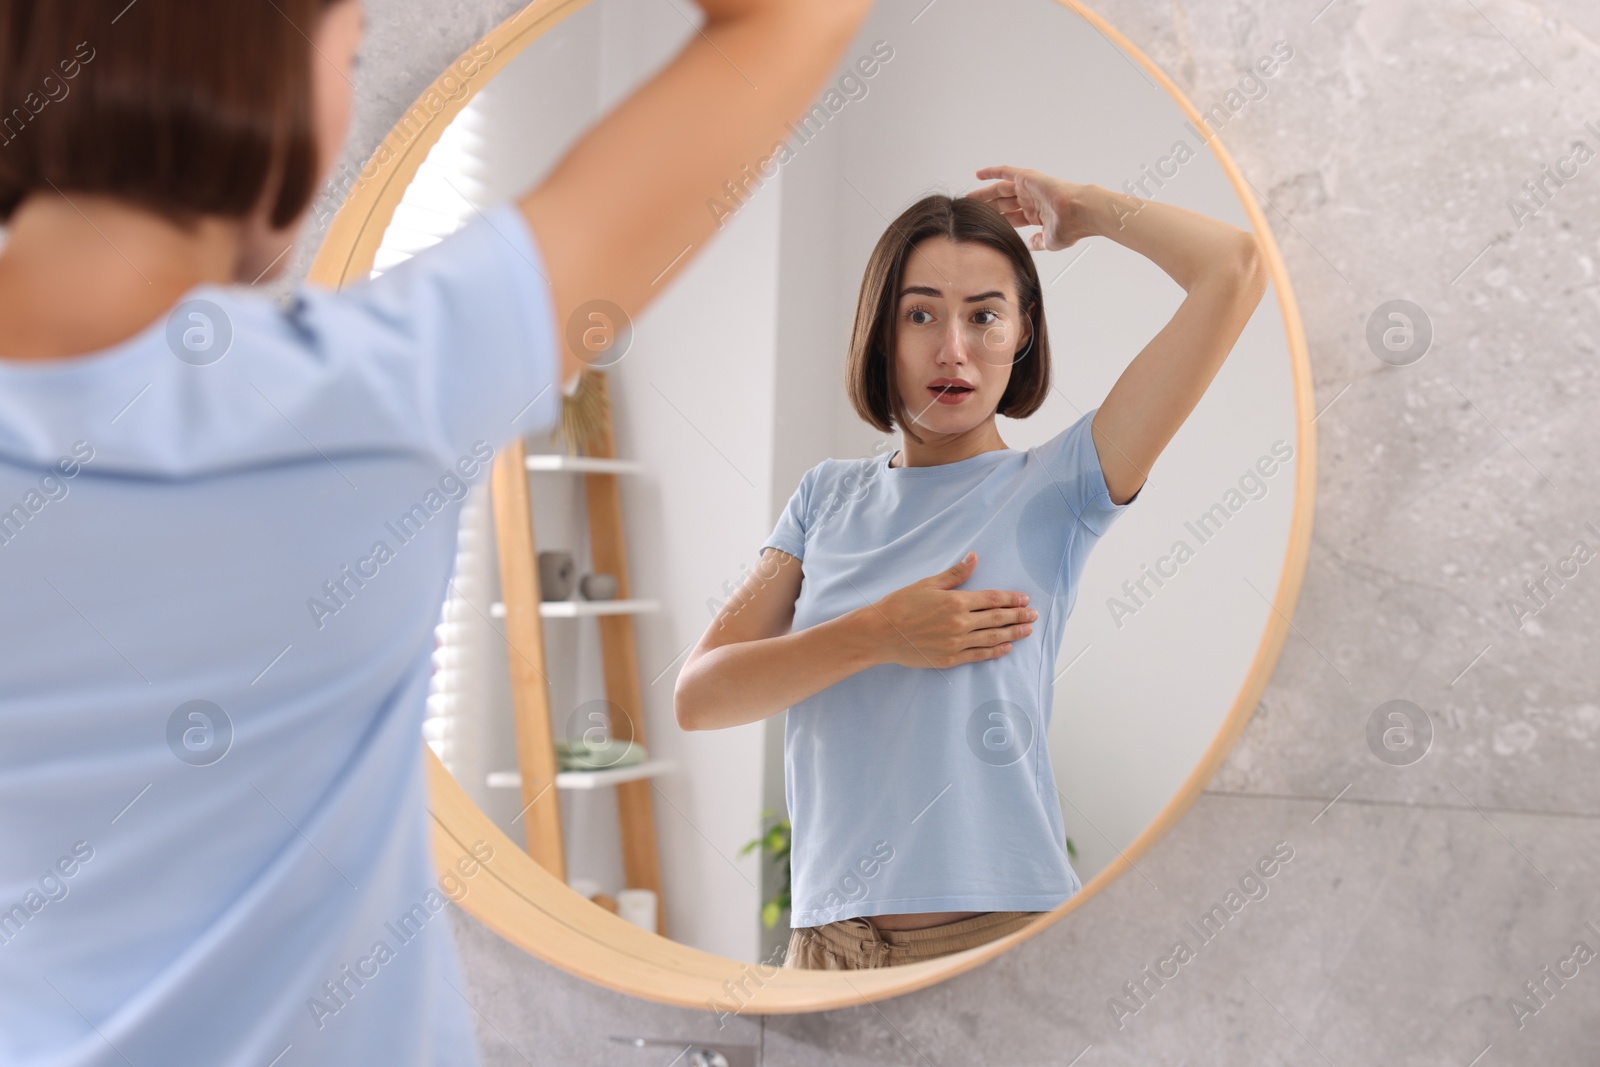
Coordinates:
186 107
871 372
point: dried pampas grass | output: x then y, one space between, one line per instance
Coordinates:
583 414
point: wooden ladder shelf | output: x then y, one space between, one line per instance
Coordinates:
525 651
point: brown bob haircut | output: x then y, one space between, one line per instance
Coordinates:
185 107
871 373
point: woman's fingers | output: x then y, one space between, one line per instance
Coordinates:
993 193
1011 180
1011 207
1001 618
1018 200
937 626
1003 171
1000 627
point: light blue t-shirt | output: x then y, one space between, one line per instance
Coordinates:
916 789
224 544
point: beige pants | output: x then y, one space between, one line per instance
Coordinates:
856 944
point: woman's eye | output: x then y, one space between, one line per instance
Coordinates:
915 312
989 311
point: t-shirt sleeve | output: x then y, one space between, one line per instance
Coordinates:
1073 463
458 344
790 532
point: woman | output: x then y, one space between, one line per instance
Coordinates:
924 811
226 526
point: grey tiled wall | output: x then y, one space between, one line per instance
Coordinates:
1417 905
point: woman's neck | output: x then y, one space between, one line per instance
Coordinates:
81 272
952 448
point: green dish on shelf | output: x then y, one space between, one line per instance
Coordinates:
602 754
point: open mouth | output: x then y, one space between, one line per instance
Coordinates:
950 394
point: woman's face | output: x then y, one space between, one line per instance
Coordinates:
332 59
958 325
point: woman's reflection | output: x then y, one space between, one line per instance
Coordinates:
908 609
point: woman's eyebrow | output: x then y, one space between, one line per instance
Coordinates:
928 290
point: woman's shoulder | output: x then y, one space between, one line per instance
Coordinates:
833 471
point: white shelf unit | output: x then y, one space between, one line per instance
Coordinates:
649 768
558 461
537 762
576 609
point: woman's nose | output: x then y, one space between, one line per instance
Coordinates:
957 345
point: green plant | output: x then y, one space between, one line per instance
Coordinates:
774 845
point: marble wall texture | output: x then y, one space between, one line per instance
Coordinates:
1420 899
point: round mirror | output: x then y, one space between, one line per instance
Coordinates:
573 815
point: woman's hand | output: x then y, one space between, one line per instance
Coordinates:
1032 198
931 624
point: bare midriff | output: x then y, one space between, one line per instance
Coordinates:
920 920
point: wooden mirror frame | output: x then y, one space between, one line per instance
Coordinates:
501 886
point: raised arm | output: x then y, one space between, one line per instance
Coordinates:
625 209
1219 267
